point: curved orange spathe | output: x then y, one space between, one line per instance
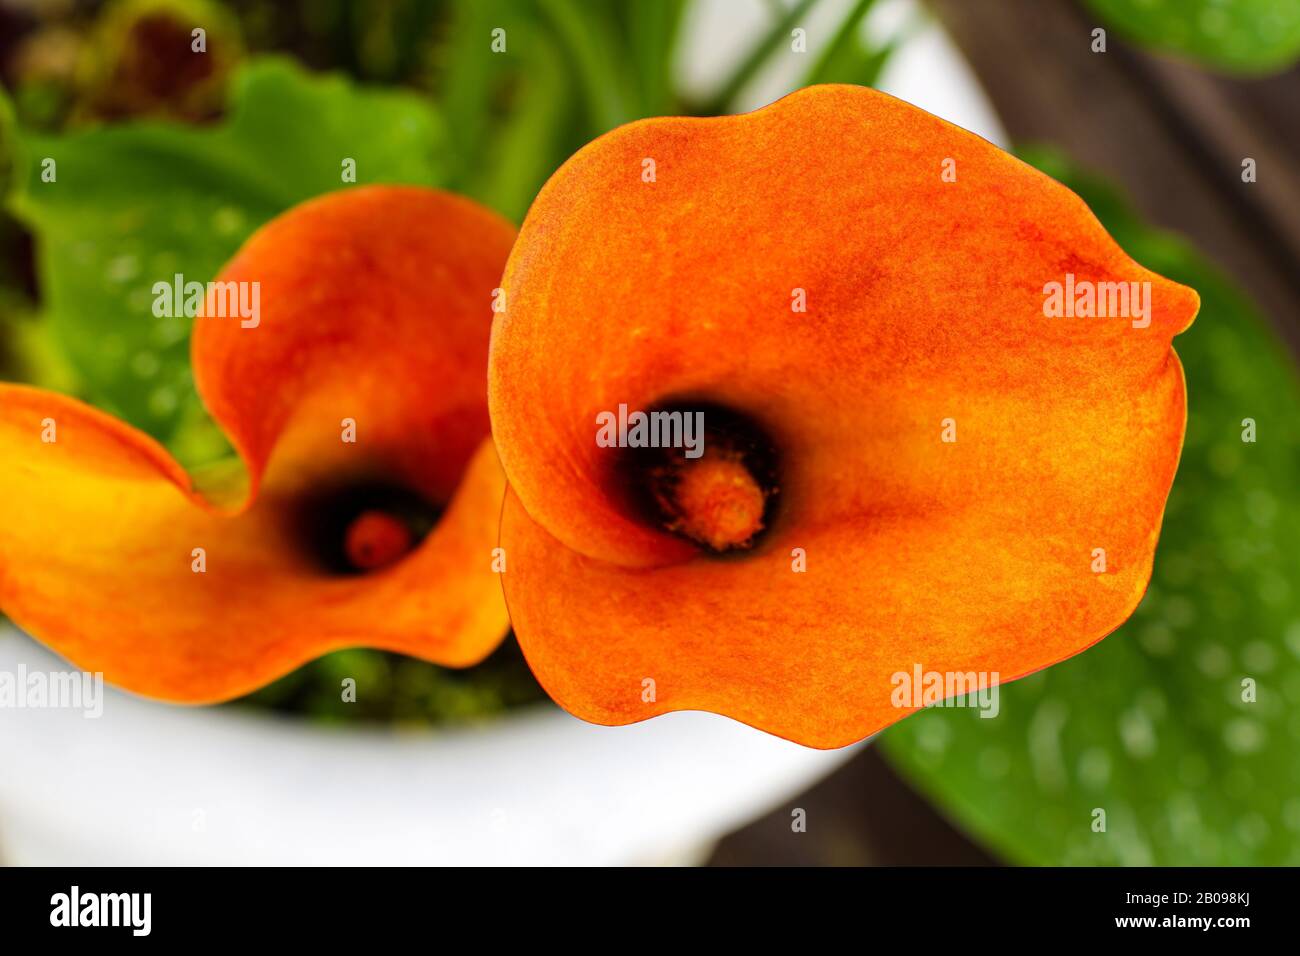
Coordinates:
364 370
965 483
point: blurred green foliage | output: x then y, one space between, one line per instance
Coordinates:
1246 36
1150 725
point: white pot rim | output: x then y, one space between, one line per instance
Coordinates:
154 783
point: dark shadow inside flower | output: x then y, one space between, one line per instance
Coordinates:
363 525
717 483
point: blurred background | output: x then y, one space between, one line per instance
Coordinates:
1178 121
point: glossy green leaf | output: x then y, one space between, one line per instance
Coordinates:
136 204
1151 725
1247 36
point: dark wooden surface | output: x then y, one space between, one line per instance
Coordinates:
862 815
1173 136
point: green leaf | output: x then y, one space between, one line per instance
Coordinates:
1150 724
472 76
652 30
529 144
587 34
1249 36
135 204
843 56
8 145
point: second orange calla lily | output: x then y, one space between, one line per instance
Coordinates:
367 507
939 411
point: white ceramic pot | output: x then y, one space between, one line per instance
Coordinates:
149 783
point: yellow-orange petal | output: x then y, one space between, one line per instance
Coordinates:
366 369
866 284
110 559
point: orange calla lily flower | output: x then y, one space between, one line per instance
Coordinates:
923 451
370 502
